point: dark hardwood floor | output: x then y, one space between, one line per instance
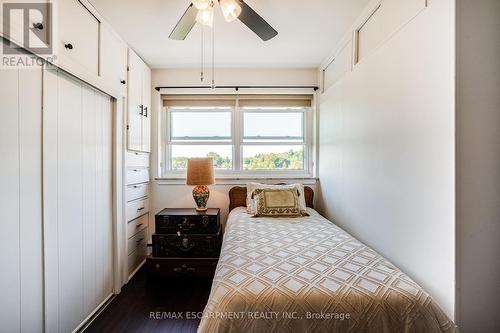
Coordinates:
155 306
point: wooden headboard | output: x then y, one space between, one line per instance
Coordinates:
238 197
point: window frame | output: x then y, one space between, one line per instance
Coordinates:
237 143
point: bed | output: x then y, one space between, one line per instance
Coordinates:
307 275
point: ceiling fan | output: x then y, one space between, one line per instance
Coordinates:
202 11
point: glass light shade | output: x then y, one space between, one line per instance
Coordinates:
206 16
201 4
230 9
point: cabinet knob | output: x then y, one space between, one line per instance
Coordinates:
123 81
69 46
38 26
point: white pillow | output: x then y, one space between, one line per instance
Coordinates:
251 208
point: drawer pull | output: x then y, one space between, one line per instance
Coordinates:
142 110
139 209
123 81
136 170
191 269
136 186
139 241
69 46
146 111
38 26
139 225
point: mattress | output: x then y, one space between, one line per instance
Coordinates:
308 275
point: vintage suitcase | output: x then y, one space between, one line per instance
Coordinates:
187 245
187 221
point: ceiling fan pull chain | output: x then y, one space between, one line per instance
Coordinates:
201 77
213 56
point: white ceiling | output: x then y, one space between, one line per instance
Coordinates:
308 32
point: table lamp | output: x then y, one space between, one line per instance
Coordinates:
200 173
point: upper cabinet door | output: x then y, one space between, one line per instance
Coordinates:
113 61
78 47
146 100
135 105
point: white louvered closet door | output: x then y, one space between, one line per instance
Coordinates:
77 178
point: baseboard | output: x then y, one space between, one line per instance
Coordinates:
92 316
136 270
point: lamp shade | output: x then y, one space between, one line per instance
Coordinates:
200 171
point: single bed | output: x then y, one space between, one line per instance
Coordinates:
307 275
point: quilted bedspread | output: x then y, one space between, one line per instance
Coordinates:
308 275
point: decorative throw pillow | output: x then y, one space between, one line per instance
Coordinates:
277 203
251 187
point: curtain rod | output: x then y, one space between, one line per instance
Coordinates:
315 88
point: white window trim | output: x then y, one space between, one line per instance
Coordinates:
237 143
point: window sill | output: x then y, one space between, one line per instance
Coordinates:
242 180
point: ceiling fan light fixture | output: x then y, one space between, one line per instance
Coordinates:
201 4
230 9
206 16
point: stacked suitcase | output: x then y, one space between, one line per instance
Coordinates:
185 243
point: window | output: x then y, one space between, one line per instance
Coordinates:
273 138
245 135
200 131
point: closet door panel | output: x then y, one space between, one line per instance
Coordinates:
101 206
30 208
135 105
9 203
50 199
146 98
104 200
89 123
107 194
70 210
78 201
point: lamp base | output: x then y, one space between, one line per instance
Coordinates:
201 194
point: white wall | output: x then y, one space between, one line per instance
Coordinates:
387 142
478 165
171 195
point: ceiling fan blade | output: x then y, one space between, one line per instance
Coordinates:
255 22
185 24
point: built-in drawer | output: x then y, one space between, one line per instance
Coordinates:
137 175
138 240
137 208
135 258
137 225
136 159
137 191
